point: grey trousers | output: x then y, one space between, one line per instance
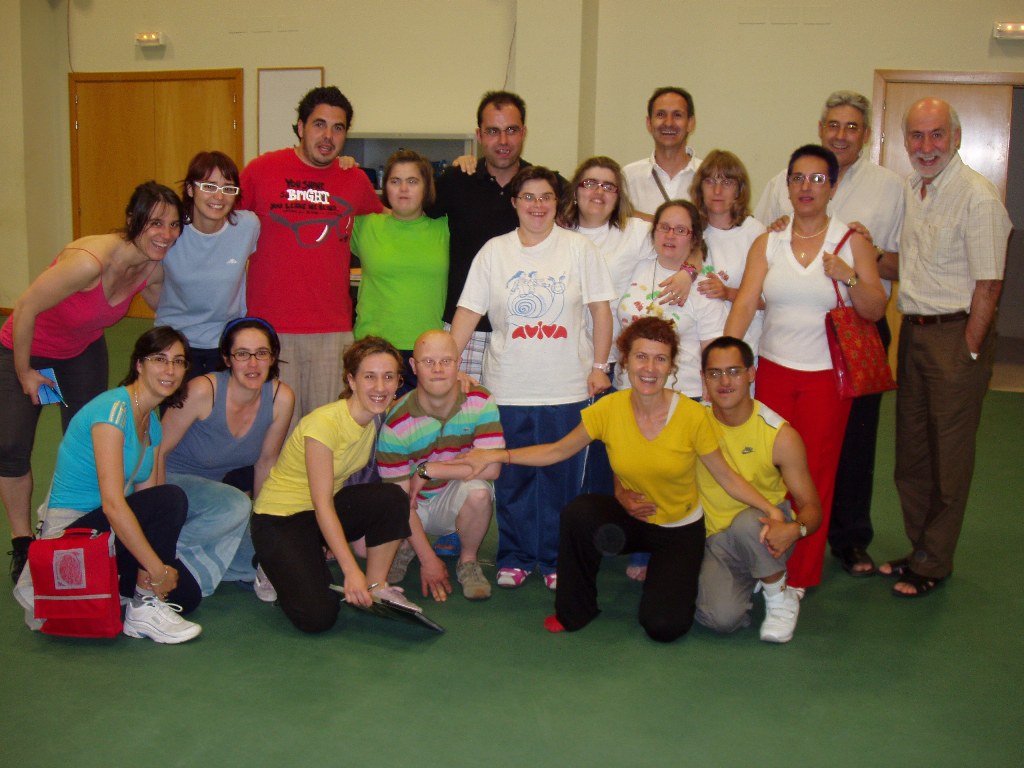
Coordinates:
734 561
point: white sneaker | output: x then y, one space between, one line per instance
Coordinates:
262 587
395 596
158 621
781 612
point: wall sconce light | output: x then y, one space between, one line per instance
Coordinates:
149 39
1008 30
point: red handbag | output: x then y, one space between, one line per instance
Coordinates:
75 582
858 356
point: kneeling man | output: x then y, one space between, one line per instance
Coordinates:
745 551
433 423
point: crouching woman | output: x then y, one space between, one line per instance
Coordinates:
303 507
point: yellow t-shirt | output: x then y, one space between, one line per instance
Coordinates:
286 490
748 449
663 468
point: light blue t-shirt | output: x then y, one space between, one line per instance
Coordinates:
204 280
75 483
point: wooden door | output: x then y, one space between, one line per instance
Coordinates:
984 102
127 128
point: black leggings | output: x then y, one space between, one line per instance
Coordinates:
161 511
291 549
80 378
594 525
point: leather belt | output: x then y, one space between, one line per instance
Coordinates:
952 317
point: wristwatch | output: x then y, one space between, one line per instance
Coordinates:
852 281
803 529
421 470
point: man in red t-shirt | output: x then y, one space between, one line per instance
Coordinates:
298 277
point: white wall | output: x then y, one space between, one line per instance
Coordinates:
13 223
758 73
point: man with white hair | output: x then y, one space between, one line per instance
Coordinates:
950 266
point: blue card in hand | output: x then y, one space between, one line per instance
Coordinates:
47 394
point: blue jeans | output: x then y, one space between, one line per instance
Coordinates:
216 526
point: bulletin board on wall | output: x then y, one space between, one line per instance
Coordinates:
279 90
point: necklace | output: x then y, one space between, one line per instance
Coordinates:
808 237
653 308
142 418
803 256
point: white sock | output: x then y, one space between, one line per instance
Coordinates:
141 593
775 588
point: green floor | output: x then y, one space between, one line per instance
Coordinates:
869 680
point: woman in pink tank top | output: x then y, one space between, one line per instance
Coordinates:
58 324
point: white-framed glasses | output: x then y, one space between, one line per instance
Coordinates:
493 132
243 355
164 360
817 179
210 188
605 186
733 372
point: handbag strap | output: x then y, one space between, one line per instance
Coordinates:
835 286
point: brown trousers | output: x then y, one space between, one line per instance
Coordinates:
938 408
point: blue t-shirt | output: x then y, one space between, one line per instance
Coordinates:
204 280
75 482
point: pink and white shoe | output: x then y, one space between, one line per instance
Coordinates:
551 581
510 578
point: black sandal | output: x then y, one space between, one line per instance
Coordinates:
922 584
898 568
851 557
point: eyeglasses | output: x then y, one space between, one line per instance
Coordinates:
796 179
722 181
529 197
242 355
511 131
606 186
177 362
444 362
835 126
680 230
210 188
733 372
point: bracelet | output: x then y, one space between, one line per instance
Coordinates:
158 583
881 254
508 454
603 367
690 270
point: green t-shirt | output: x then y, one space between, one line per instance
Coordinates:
405 276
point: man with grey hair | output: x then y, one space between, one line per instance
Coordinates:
871 196
950 265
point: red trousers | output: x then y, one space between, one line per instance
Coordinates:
809 401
